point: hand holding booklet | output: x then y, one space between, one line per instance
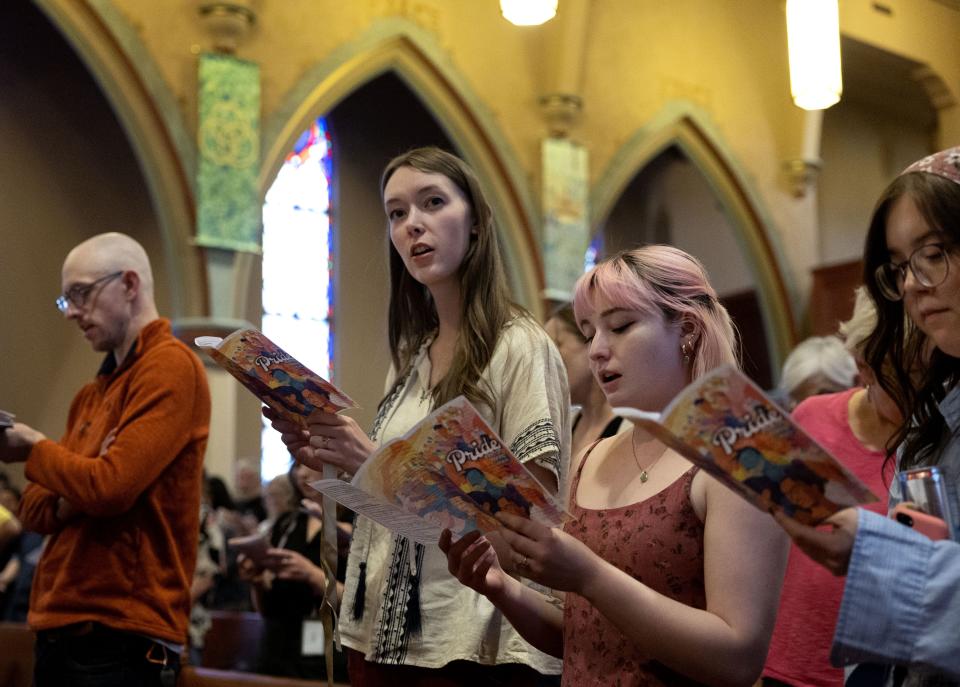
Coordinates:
294 392
274 376
450 471
253 546
281 382
725 424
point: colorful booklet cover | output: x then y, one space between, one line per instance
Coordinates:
450 471
725 424
274 376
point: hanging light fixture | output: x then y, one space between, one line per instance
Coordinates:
528 12
813 39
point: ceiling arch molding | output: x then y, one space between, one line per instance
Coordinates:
415 57
681 124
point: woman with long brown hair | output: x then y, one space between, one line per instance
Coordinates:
452 330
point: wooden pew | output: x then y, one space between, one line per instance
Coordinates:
16 665
233 641
16 655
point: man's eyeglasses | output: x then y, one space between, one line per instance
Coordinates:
78 294
929 265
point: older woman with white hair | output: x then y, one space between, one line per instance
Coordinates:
855 425
818 365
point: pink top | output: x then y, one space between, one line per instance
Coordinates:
800 649
658 541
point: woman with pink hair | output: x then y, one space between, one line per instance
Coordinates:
670 577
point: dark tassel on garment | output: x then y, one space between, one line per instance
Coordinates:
413 622
359 599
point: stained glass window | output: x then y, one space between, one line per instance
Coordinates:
298 268
593 250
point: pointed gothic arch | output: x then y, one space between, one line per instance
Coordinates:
683 126
146 109
412 54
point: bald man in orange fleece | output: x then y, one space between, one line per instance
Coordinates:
120 492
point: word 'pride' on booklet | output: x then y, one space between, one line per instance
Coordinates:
273 375
451 470
725 424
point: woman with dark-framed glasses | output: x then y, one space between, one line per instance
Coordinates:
901 599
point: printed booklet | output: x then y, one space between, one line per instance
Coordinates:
294 392
275 377
725 424
450 471
253 546
6 419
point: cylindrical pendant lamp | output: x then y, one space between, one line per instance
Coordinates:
813 38
528 12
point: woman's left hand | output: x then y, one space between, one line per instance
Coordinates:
338 440
547 555
249 571
291 565
830 548
329 439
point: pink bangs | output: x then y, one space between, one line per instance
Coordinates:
615 284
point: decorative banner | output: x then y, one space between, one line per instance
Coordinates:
228 206
566 230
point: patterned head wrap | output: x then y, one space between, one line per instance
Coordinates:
944 164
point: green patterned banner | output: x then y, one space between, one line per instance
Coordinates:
228 206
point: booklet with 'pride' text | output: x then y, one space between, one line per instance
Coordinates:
274 376
450 471
725 424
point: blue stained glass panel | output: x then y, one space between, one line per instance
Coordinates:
298 268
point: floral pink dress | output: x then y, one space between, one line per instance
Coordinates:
658 541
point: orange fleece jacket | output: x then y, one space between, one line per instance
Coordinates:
131 462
